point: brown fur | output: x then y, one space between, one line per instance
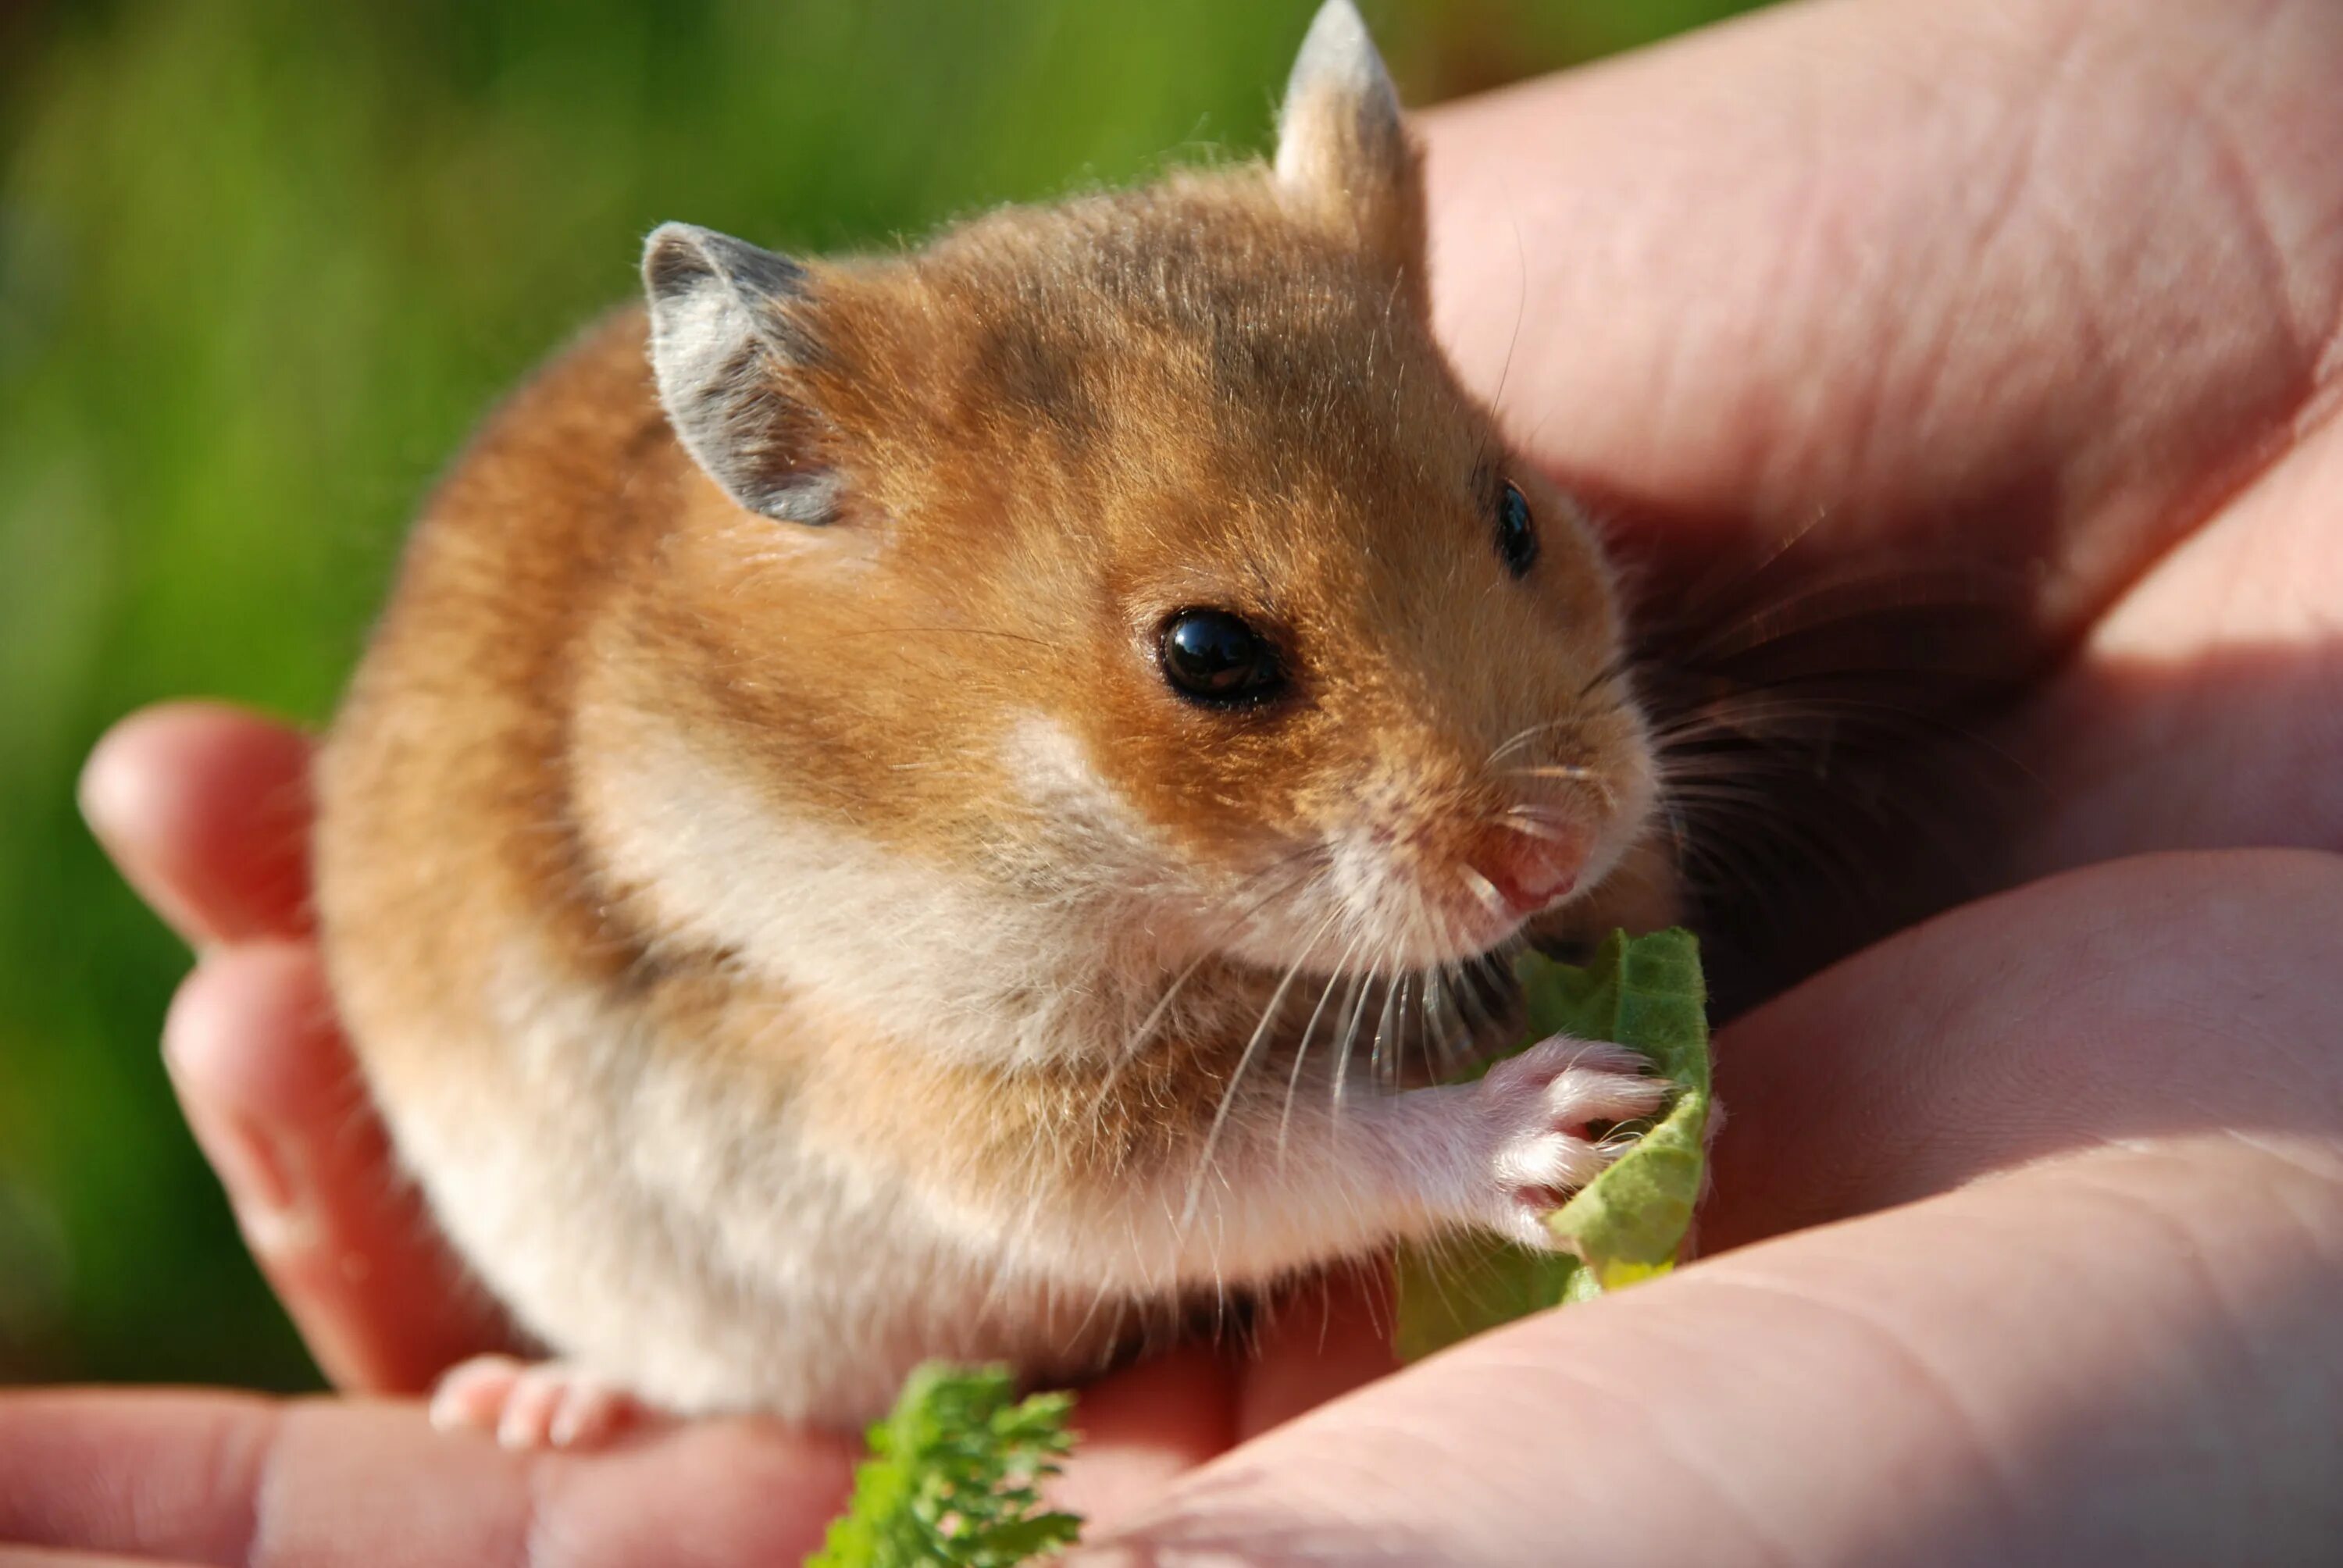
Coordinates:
1053 428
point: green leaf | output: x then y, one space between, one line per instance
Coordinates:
954 1477
1629 1223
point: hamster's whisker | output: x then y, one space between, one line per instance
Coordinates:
1386 1035
1765 841
1621 664
1541 826
1722 765
1403 1025
1719 792
1456 1032
1572 773
1846 597
1569 772
1425 988
1481 888
1230 1090
1137 1041
1520 313
1462 995
1736 714
1494 990
1465 1032
1301 1050
1357 999
1429 1029
1524 737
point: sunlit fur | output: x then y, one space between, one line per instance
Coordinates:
784 953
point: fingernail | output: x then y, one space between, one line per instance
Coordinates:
259 1187
253 1173
270 1213
112 799
106 794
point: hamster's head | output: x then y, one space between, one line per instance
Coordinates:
1141 555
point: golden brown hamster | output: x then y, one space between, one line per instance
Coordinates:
898 799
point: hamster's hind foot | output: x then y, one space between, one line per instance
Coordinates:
532 1404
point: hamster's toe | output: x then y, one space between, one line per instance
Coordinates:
1546 1108
532 1404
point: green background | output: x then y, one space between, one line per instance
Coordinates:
262 262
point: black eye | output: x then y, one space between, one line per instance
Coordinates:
1211 655
1516 534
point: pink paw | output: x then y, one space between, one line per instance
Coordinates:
1541 1106
531 1405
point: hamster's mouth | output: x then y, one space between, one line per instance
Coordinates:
1414 981
1486 917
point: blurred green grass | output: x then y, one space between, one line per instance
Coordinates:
262 262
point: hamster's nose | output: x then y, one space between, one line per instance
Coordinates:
1530 868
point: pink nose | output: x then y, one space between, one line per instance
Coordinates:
1529 873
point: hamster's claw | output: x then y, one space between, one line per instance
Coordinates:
1544 1106
531 1405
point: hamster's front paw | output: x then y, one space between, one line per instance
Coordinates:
1540 1110
531 1405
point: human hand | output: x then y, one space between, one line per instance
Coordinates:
2116 1339
2116 369
2053 1184
2027 1225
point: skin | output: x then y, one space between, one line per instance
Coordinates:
2029 1220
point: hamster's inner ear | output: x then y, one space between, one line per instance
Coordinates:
729 324
1343 154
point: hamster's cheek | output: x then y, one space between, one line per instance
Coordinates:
1050 768
1078 828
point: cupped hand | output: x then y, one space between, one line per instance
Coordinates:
2027 1223
2027 1220
2069 1164
2054 1183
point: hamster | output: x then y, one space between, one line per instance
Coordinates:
903 805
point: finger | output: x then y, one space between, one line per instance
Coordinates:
1144 1425
42 1557
1149 1425
1901 274
206 811
229 1479
1320 1340
2154 996
2206 709
2129 1355
280 1109
169 1476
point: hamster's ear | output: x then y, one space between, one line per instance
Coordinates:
727 327
1341 150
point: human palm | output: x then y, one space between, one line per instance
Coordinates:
2028 1220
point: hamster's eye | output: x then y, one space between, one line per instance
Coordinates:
1517 542
1211 656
